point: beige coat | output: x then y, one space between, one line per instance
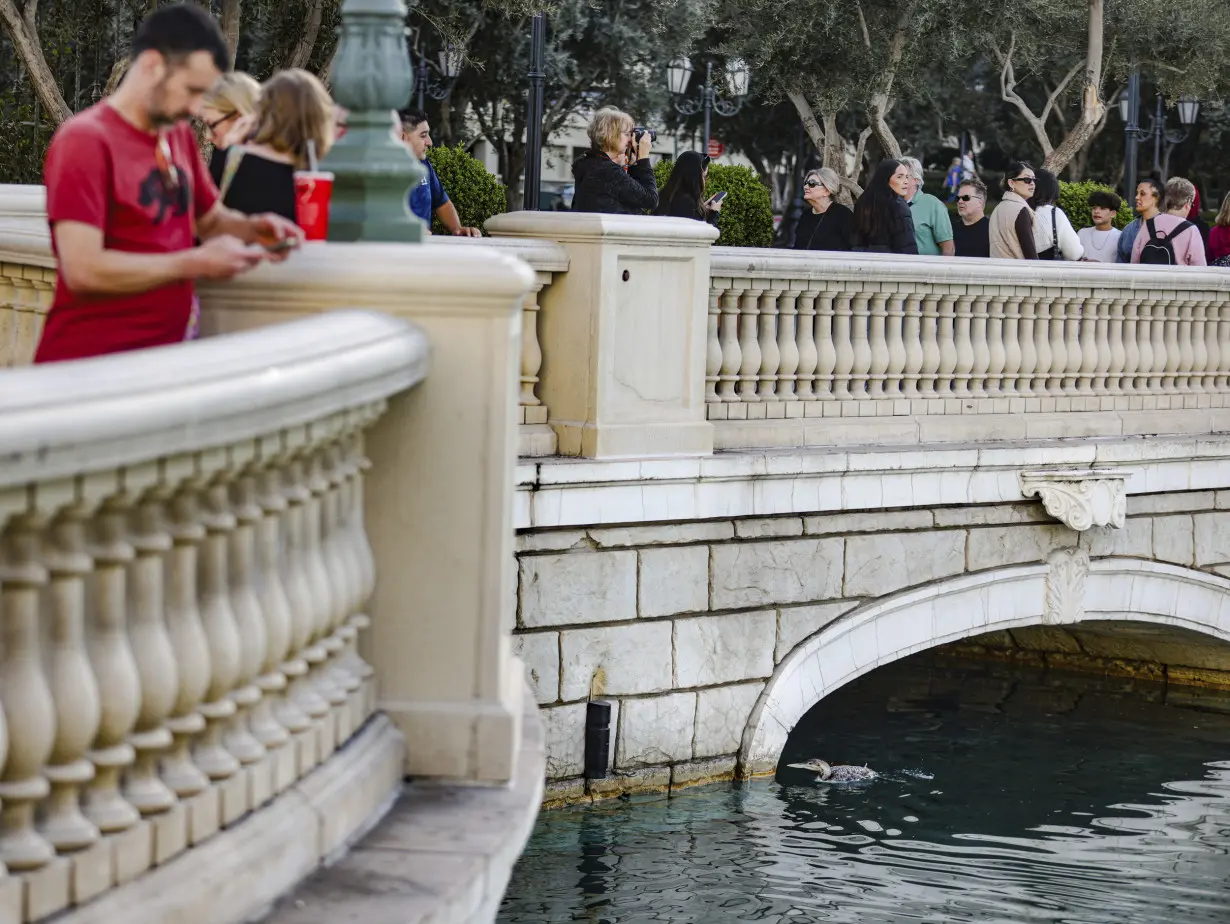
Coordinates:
1004 240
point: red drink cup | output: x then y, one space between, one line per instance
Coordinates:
313 190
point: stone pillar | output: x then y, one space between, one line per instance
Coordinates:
623 332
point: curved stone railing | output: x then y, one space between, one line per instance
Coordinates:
183 572
795 337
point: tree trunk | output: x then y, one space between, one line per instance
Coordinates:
882 98
232 11
23 30
1092 109
302 52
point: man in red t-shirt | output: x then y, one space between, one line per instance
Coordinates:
128 196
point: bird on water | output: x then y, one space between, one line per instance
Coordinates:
836 773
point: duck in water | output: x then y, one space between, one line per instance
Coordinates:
839 773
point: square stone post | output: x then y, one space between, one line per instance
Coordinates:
623 332
440 489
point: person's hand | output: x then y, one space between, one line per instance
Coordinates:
643 146
714 205
276 235
223 257
463 231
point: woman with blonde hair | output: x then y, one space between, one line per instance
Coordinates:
825 224
614 175
295 114
227 111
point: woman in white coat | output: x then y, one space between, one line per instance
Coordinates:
1054 235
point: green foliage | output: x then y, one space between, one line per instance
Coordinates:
1074 200
476 193
747 217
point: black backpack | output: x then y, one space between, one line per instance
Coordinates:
1160 250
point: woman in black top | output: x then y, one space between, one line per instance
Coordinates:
882 220
259 176
614 175
683 196
828 224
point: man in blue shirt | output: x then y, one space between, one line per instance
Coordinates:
429 197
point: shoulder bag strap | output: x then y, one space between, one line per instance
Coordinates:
1055 233
234 156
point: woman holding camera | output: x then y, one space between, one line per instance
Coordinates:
614 175
683 196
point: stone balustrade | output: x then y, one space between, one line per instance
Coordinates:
184 567
798 344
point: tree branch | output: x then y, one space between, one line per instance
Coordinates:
26 43
232 12
302 52
1007 91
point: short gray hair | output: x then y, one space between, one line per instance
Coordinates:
1179 191
914 165
827 177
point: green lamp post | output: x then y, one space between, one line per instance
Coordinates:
373 171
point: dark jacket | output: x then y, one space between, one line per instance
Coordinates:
898 237
830 230
685 206
604 186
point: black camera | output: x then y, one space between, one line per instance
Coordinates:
638 133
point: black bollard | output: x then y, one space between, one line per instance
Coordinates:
597 739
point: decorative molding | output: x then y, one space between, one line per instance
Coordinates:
1080 499
1064 598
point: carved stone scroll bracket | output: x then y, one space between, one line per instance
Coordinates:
1080 499
1065 587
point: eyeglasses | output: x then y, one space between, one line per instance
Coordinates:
213 126
1028 180
968 198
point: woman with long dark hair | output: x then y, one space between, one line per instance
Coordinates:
1054 236
683 196
1012 222
882 221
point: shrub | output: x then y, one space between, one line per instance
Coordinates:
1074 200
476 193
747 213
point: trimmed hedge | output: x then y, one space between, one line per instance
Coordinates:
476 193
1074 200
746 219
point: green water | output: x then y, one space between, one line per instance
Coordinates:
1002 798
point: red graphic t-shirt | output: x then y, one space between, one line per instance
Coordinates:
103 171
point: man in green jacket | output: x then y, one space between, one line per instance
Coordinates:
932 226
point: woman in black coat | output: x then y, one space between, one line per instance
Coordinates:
825 223
683 196
602 183
882 220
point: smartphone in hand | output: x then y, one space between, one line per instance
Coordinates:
718 197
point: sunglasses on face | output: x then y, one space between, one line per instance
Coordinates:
1029 180
811 184
967 198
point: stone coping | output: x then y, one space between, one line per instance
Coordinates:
595 227
234 876
559 492
443 855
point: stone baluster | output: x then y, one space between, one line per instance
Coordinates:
770 356
1091 313
1059 345
895 324
749 342
26 698
1118 336
1022 382
988 378
843 345
963 344
945 383
1005 343
1143 313
361 549
1212 348
1158 309
1042 341
732 352
188 641
154 655
531 350
1188 341
809 355
221 632
931 353
1070 334
713 343
787 345
324 596
1106 357
1173 350
115 668
826 346
911 336
276 714
74 691
239 737
860 346
877 340
1223 345
343 579
980 331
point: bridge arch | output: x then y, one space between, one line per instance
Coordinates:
1068 589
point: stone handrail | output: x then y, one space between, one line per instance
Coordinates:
795 336
183 570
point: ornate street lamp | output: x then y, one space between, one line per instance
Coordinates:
1129 111
373 171
436 80
738 79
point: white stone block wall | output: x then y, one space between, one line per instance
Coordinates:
682 625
